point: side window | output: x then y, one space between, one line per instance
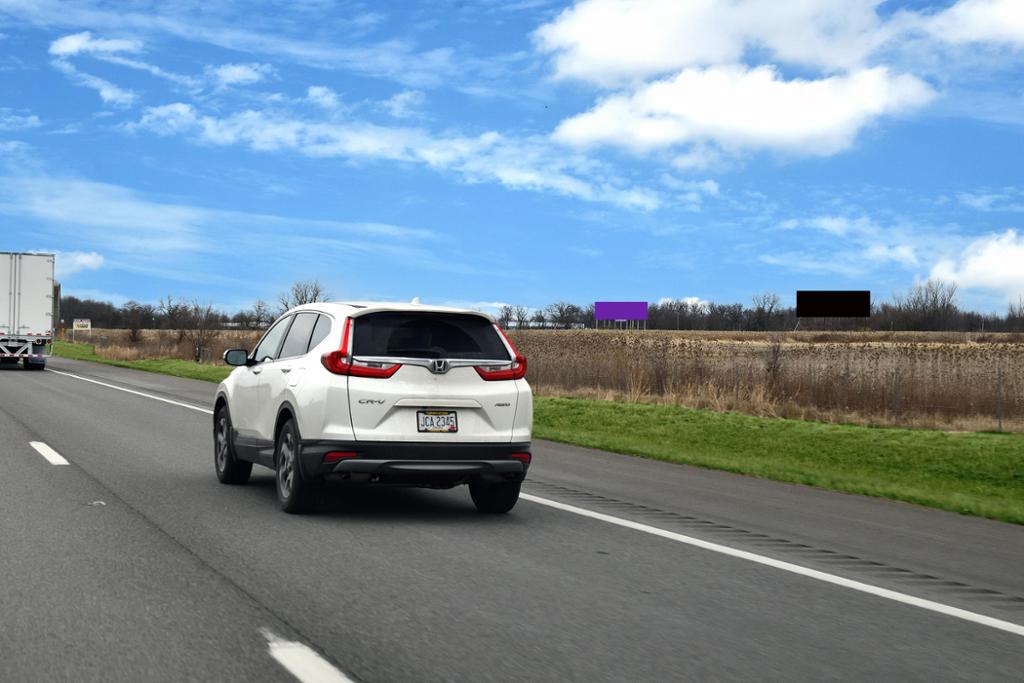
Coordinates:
297 341
320 331
267 348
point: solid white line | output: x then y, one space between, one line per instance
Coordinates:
51 455
896 596
132 391
302 662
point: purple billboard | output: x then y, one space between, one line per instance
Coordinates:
620 310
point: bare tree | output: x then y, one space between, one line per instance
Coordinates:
259 316
521 315
562 313
928 306
539 318
764 307
175 314
302 292
202 327
137 316
505 315
1015 315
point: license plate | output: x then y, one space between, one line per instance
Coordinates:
436 421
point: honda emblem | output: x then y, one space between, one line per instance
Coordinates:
440 366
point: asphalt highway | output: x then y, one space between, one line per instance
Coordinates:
132 563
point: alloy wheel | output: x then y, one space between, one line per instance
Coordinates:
286 464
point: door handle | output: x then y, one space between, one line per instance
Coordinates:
257 370
285 370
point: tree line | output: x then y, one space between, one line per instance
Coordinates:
927 306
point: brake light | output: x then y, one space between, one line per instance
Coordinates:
514 370
525 457
340 362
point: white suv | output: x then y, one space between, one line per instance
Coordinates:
383 393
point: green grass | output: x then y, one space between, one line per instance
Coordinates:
972 473
164 366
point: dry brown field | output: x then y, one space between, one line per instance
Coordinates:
953 381
946 380
117 345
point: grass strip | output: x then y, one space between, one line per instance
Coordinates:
165 366
974 473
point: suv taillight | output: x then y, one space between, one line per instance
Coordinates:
514 370
340 362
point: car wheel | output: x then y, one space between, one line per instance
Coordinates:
230 470
296 494
494 498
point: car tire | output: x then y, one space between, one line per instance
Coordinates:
295 493
494 498
230 470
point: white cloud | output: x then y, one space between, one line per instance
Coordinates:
323 96
279 33
97 295
1007 199
989 262
854 246
691 302
979 21
697 157
691 192
79 43
403 105
109 50
240 74
110 215
11 121
738 107
523 163
711 78
152 69
108 92
619 41
180 242
71 262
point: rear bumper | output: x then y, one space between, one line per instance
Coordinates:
404 463
33 347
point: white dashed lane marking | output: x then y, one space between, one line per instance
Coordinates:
302 661
52 456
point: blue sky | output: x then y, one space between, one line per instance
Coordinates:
515 152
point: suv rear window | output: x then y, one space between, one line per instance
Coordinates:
427 335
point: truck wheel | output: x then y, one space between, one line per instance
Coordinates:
8 361
494 498
34 365
230 470
296 494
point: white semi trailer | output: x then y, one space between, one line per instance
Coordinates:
28 308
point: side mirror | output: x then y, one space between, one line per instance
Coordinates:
236 357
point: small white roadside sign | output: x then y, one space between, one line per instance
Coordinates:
81 324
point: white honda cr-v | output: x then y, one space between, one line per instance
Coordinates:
382 393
